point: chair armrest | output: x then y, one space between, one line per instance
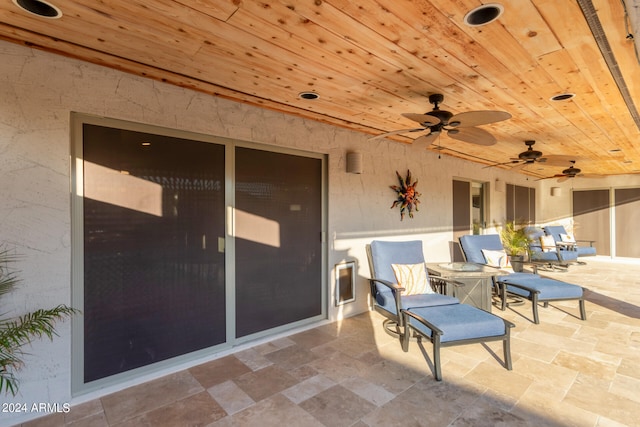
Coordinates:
393 286
519 286
591 242
407 314
444 286
566 246
396 290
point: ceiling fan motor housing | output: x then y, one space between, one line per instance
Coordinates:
530 154
441 115
571 171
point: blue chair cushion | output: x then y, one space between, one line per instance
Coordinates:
533 233
586 251
384 254
555 231
458 322
385 299
472 246
568 255
550 289
544 256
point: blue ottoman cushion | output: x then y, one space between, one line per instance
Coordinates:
550 289
459 322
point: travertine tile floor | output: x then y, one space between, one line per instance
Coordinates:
566 372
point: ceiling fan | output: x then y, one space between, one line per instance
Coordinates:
460 126
572 172
531 156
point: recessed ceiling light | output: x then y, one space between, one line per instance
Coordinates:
482 15
39 7
563 96
308 95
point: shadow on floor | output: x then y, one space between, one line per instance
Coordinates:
622 307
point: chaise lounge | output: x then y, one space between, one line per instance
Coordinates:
530 286
415 303
564 239
549 254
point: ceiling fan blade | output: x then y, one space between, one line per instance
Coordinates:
426 140
520 166
472 135
395 132
476 118
561 177
590 175
510 162
423 119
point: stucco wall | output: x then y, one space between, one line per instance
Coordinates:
38 92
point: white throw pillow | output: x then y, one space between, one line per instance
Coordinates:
496 258
567 238
548 243
413 278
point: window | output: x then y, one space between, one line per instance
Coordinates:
521 204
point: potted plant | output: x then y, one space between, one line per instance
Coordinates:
17 332
516 245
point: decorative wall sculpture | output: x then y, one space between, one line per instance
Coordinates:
407 196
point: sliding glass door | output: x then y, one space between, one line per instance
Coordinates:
186 244
154 277
278 227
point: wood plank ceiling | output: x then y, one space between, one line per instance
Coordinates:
372 60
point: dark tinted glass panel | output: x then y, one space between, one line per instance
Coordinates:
510 204
627 220
521 204
591 218
461 216
153 272
278 239
532 206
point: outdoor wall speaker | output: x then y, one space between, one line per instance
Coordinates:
500 186
354 162
556 191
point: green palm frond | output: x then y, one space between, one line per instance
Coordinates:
17 332
8 276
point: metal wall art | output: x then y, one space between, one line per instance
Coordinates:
407 196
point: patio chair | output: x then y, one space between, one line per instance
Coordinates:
543 252
387 295
532 287
564 239
428 313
